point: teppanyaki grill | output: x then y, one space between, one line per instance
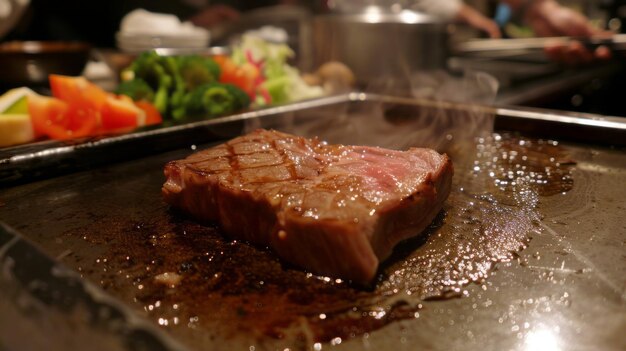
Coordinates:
109 226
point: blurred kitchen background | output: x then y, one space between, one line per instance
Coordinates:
397 48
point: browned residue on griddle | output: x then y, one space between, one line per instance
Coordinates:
230 288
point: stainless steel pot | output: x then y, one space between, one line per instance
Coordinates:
378 44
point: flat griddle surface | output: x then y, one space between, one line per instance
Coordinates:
566 290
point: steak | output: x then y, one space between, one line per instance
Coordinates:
333 210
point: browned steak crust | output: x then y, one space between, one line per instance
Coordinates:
331 209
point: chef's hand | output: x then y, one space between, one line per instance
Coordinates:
547 18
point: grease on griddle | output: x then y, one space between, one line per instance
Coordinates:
229 288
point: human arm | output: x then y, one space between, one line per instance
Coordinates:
548 18
460 12
471 16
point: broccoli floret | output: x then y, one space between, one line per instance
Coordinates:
148 67
241 97
215 99
177 91
136 89
161 74
196 70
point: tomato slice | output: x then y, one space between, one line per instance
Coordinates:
152 114
56 119
48 115
80 108
77 91
246 77
120 114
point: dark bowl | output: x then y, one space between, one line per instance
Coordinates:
28 63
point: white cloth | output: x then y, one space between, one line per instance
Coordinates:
141 30
142 22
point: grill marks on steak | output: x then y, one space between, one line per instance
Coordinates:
331 209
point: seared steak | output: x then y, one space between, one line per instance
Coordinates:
331 209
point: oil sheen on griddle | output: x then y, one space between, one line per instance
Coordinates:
217 288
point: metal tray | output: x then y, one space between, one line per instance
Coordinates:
565 291
40 160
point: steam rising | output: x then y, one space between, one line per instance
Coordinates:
426 119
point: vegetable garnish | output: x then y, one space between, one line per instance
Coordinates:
195 86
77 109
182 86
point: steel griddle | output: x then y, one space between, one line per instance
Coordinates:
566 291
